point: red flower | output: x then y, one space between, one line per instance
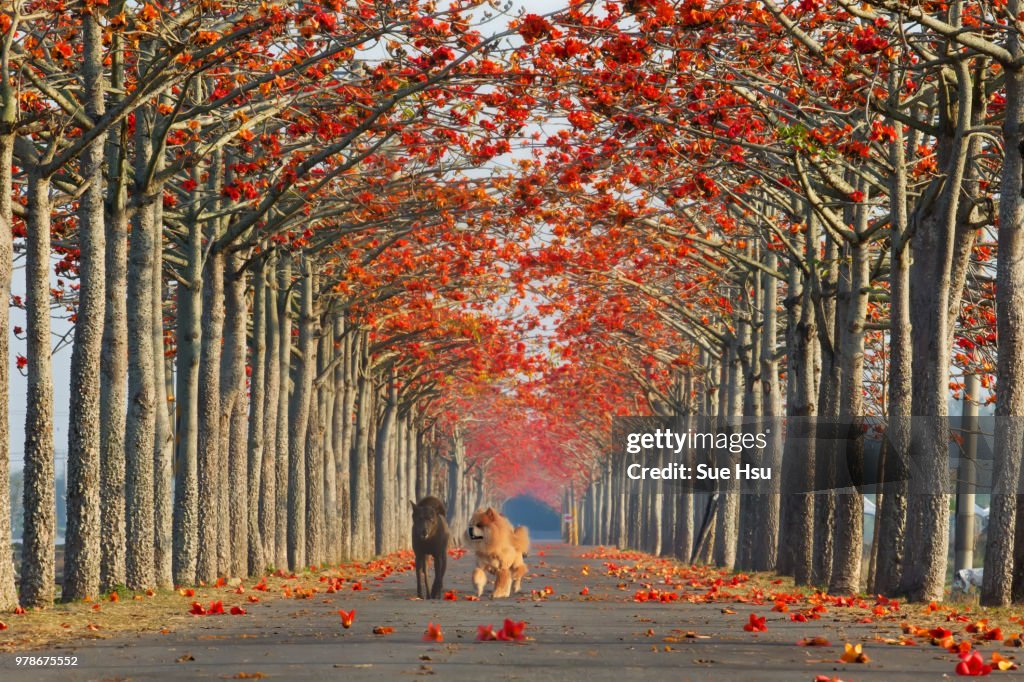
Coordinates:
433 633
347 618
756 624
485 633
512 631
972 665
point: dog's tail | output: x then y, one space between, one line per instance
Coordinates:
521 540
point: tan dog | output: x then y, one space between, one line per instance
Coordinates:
500 549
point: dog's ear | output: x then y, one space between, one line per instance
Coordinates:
412 504
489 514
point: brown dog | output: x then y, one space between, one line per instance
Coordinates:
429 539
500 549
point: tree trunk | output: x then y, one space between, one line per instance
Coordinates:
325 406
114 352
726 537
766 537
828 400
256 523
140 420
849 547
383 486
362 519
210 460
8 113
233 410
284 314
796 546
163 440
272 361
890 538
342 434
1009 435
186 448
37 559
302 518
930 296
82 543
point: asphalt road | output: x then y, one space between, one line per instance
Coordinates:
604 635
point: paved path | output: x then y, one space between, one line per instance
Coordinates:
603 636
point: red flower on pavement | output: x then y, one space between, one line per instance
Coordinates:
433 633
972 665
756 624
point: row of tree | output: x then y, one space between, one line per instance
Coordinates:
265 233
793 210
367 251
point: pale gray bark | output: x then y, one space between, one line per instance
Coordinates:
341 431
210 460
846 565
400 470
766 535
930 294
892 510
362 519
726 536
314 463
37 560
186 453
256 488
300 459
8 114
163 438
828 402
233 410
411 455
238 476
1009 436
141 414
323 401
82 542
384 483
795 540
284 313
268 498
114 369
456 475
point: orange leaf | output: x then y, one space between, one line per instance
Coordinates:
1002 662
854 654
814 641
